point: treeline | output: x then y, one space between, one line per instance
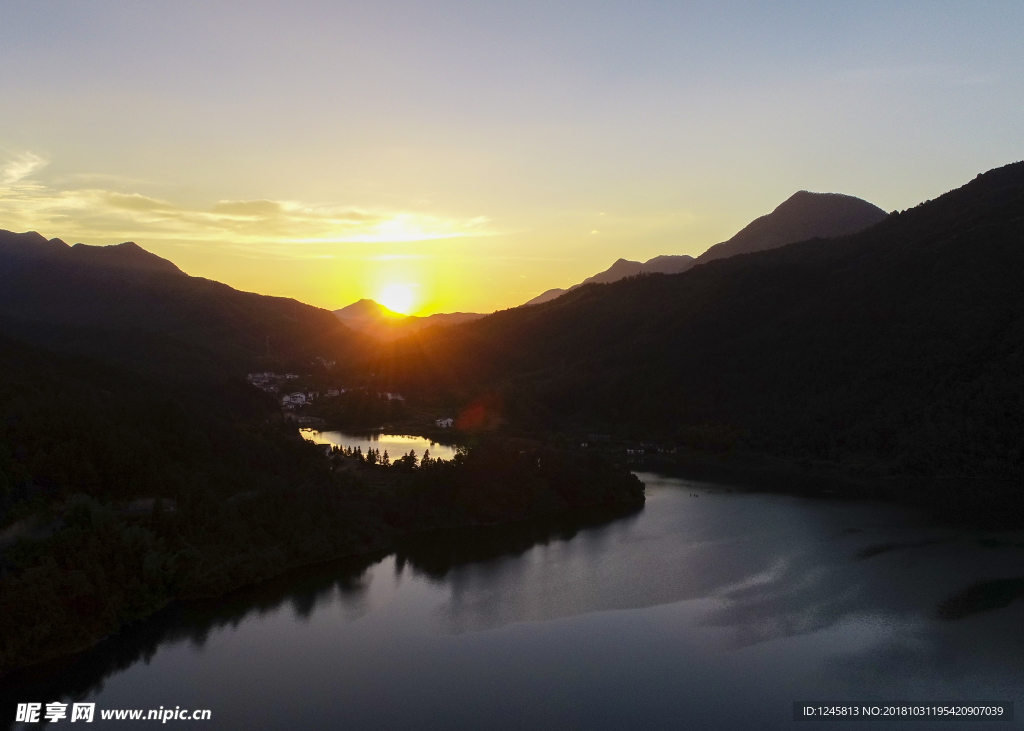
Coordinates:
229 495
495 481
120 492
427 553
359 408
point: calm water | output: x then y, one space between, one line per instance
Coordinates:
708 612
395 444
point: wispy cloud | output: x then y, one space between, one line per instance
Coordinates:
270 227
20 167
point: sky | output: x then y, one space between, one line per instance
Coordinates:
467 156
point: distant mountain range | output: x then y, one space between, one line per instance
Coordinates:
900 347
23 250
377 320
800 217
126 304
621 269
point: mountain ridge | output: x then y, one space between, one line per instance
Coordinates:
31 246
804 215
900 346
124 303
373 318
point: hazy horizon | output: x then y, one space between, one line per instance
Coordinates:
476 156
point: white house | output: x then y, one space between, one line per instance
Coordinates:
444 423
294 399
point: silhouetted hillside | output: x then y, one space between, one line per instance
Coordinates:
375 319
546 296
121 491
667 264
18 250
623 268
127 304
901 347
800 217
128 255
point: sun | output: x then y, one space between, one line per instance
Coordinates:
397 298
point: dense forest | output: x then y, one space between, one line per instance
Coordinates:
359 408
120 491
896 351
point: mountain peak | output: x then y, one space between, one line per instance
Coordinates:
804 215
377 320
367 309
668 264
127 255
29 245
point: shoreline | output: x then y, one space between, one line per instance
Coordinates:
741 472
978 502
384 544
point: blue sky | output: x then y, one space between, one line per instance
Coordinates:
480 153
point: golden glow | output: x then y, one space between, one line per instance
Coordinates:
325 151
418 260
397 298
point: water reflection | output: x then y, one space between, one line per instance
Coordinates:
712 612
342 583
395 444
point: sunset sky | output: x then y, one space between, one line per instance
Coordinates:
475 154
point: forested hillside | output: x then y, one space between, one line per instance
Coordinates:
121 491
802 216
125 304
900 348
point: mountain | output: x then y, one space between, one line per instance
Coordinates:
800 217
128 255
374 319
667 264
546 296
623 268
900 347
18 250
126 304
366 311
15 248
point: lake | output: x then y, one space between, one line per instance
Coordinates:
708 608
394 444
